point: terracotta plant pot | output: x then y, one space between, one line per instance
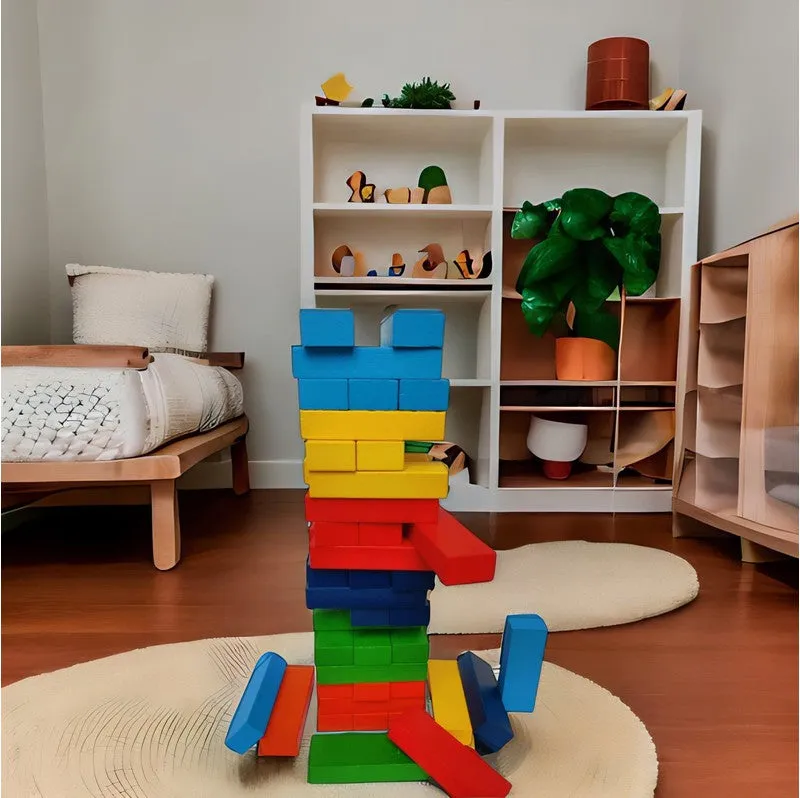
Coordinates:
557 443
585 359
618 74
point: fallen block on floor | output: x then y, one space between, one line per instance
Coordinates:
521 657
285 728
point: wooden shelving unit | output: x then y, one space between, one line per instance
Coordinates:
495 160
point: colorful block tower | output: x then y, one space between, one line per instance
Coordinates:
377 540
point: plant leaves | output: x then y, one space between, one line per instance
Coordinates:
601 325
530 221
583 211
635 213
555 254
637 257
602 274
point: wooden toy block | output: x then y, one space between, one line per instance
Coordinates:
370 721
366 362
370 425
488 717
453 552
380 455
372 692
330 456
372 647
411 616
348 674
380 534
322 394
366 394
407 689
331 621
426 480
374 511
252 714
364 579
417 328
334 648
285 728
447 697
366 558
399 704
327 328
326 577
413 580
329 533
355 757
424 394
410 645
348 598
370 618
521 657
455 767
334 706
335 723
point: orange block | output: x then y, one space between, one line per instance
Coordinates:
285 729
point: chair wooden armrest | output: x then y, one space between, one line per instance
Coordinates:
228 360
77 356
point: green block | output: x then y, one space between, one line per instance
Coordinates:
359 757
351 674
331 620
333 648
372 647
410 644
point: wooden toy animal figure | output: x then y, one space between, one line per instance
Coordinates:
361 191
469 267
433 265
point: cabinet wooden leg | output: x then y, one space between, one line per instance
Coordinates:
240 467
166 524
756 553
684 526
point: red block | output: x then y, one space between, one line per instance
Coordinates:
332 534
399 704
455 767
372 511
334 706
331 723
285 729
365 558
407 689
452 551
377 721
380 534
335 690
367 691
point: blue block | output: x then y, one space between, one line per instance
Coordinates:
521 657
424 394
347 598
359 579
413 580
369 617
411 616
326 577
327 327
415 329
322 394
372 394
488 716
366 362
252 714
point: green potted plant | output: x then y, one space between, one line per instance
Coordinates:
589 245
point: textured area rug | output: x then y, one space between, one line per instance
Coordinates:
151 724
572 584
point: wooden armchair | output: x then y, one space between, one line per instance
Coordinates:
55 483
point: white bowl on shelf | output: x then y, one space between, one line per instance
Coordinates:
557 443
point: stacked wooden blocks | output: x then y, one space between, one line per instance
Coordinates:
377 540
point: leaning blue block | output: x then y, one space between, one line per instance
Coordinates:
417 328
251 718
327 327
424 394
372 394
322 394
490 724
521 657
366 362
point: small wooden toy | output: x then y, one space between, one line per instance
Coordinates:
432 265
347 263
469 266
360 190
404 196
398 265
521 657
336 88
434 183
413 328
669 100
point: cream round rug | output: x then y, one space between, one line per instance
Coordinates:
151 724
572 584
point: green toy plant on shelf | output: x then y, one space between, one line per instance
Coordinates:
427 93
590 245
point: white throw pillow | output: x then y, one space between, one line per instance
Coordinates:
165 312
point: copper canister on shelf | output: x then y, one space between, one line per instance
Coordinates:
618 75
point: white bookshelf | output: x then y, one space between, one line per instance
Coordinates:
495 160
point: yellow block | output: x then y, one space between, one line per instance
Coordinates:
371 425
379 456
331 455
447 696
415 481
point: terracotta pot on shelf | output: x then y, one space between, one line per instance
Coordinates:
618 75
585 359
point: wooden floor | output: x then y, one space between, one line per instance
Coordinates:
715 682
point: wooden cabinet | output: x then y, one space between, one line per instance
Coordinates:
737 464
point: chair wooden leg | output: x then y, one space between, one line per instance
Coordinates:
166 524
240 467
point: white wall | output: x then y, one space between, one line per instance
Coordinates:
738 62
172 133
25 270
